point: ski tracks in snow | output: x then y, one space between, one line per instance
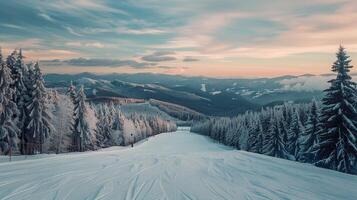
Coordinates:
171 166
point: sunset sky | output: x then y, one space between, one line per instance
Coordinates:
226 38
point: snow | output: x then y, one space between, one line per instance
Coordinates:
216 92
147 90
203 87
86 81
245 92
178 165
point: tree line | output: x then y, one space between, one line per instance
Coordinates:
35 119
322 132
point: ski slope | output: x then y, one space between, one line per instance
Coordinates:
179 165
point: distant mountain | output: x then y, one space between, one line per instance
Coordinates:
210 96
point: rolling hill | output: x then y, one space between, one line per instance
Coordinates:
210 96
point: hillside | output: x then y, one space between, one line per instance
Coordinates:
98 86
210 96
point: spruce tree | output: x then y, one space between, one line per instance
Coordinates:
337 143
38 125
71 92
308 138
81 135
255 140
273 142
8 109
17 68
295 130
118 125
104 126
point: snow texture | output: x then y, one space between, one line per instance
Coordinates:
177 165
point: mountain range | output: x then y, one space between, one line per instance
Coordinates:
210 96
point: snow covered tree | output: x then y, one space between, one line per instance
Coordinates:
112 110
295 130
104 126
255 140
118 125
39 124
288 112
273 143
71 92
17 67
62 121
308 138
81 135
8 109
337 143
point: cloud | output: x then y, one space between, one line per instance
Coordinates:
70 30
165 67
190 59
87 44
308 83
50 54
199 32
81 6
145 31
317 26
26 44
46 17
159 56
303 83
12 26
315 33
229 32
97 62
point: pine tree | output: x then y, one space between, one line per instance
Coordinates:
118 125
284 128
8 109
295 130
100 124
38 125
112 110
62 120
273 142
287 113
17 68
71 92
255 140
308 138
104 126
337 145
81 135
20 76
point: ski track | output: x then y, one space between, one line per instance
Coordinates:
170 166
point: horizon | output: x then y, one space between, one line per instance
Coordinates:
201 38
199 76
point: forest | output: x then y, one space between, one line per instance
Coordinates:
322 132
35 119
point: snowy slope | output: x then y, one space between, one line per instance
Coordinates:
178 165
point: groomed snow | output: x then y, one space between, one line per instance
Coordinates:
178 165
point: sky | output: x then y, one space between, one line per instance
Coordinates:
226 38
